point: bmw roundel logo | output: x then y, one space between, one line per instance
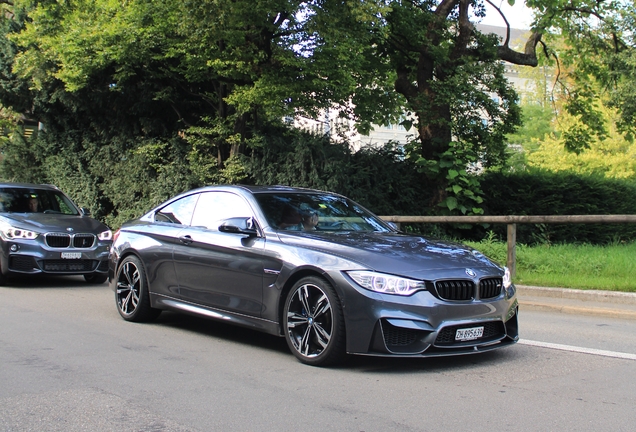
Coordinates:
69 229
471 272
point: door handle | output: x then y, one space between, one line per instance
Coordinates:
186 240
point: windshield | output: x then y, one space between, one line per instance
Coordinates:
317 211
33 200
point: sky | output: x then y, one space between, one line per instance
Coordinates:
519 16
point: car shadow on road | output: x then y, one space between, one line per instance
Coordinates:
401 365
361 364
220 330
50 282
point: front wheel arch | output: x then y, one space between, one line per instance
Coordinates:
291 281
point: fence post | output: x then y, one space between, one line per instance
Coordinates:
512 249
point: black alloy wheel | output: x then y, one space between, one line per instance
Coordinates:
314 323
131 295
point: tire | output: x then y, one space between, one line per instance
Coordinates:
4 278
131 293
95 278
314 323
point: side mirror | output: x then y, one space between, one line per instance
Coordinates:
239 225
85 211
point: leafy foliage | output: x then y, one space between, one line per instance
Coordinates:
537 124
115 182
214 69
610 156
594 42
377 177
453 81
548 193
146 98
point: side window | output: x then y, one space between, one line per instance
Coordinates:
213 207
179 212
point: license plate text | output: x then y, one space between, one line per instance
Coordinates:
71 255
469 333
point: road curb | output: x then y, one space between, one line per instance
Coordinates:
612 304
578 294
569 309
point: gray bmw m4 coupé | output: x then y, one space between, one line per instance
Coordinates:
313 267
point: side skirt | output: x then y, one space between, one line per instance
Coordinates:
255 323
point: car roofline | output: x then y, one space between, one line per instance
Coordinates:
28 186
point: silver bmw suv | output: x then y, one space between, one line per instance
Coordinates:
43 231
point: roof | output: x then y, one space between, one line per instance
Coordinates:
258 189
29 186
279 188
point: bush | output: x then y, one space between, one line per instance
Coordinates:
377 177
120 178
548 193
114 179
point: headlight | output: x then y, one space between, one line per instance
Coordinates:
106 235
385 283
507 279
10 232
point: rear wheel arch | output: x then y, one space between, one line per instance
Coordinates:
125 255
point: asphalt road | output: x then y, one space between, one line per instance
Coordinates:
70 363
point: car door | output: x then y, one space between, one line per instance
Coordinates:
161 238
220 269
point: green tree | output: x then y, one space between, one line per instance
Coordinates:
611 156
453 81
217 69
448 73
593 47
141 76
588 59
199 83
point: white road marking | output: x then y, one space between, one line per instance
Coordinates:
571 348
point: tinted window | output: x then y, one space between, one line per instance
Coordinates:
214 207
179 212
33 200
288 211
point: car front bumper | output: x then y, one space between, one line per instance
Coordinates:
29 257
424 325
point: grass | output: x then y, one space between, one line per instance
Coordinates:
585 266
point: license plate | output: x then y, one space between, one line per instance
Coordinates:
71 255
469 333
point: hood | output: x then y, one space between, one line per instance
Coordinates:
394 253
54 222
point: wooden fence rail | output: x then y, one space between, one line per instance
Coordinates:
512 222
